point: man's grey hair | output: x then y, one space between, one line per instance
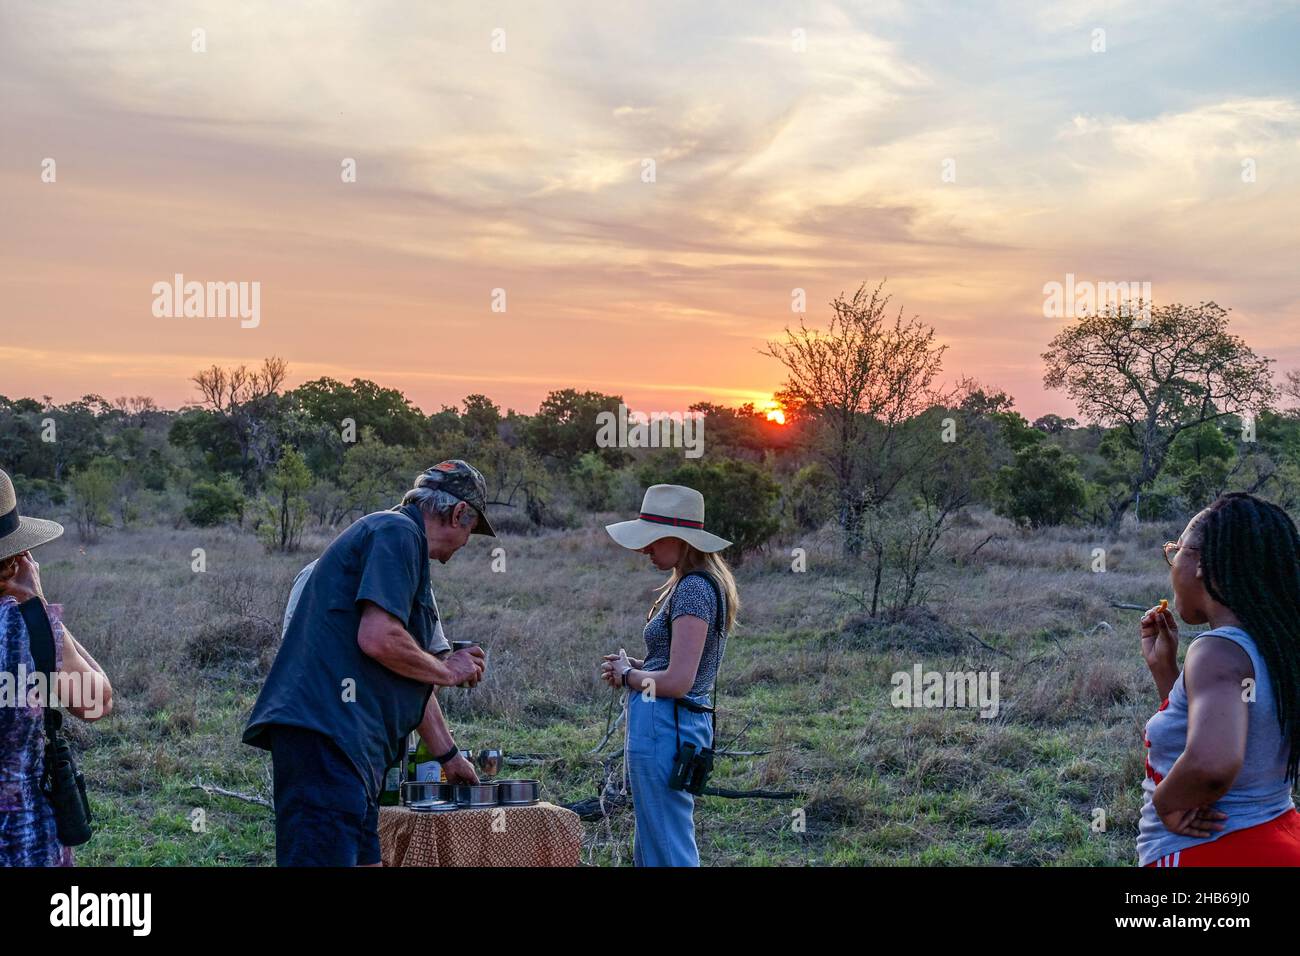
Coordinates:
436 503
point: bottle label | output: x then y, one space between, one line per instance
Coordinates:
429 770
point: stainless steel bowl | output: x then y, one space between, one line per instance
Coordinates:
432 806
476 794
420 791
490 761
518 793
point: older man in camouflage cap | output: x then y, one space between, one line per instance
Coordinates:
363 650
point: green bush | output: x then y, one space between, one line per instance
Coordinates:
1042 487
1200 460
593 482
285 507
740 500
1163 501
92 496
36 494
215 502
810 500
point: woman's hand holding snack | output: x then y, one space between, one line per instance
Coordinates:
1159 633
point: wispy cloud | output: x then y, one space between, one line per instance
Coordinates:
968 153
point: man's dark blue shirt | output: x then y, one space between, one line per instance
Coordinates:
321 679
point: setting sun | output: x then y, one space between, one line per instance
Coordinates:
775 413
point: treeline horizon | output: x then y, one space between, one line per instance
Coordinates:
875 447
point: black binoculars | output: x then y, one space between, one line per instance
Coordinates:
691 769
65 788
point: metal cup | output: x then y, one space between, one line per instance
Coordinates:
490 761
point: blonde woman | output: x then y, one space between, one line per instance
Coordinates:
669 693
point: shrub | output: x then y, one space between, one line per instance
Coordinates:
740 501
810 500
1042 487
285 506
215 502
594 482
511 521
38 493
233 639
92 495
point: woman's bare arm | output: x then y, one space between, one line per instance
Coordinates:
1217 720
84 689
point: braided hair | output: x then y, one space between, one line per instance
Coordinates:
1250 555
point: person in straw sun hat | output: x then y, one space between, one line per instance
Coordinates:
668 694
28 829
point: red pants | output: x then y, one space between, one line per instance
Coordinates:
1275 843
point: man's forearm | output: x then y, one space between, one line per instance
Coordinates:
433 728
397 650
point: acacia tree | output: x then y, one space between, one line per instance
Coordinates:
226 389
860 381
243 399
1156 378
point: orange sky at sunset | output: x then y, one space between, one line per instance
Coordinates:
521 170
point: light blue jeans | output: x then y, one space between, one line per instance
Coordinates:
665 819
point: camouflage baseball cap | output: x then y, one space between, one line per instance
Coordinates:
461 480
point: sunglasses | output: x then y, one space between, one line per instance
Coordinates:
1171 549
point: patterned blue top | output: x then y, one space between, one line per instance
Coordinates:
694 596
28 833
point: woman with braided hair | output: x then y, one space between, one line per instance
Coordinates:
1223 750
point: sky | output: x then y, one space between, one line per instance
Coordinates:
969 153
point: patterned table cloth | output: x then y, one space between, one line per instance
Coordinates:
540 835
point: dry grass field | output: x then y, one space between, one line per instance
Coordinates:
807 679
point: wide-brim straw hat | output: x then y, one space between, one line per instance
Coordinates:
668 511
19 534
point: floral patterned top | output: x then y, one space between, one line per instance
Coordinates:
28 834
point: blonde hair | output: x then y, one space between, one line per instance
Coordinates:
715 566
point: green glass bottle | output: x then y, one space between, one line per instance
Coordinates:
391 795
422 766
396 775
